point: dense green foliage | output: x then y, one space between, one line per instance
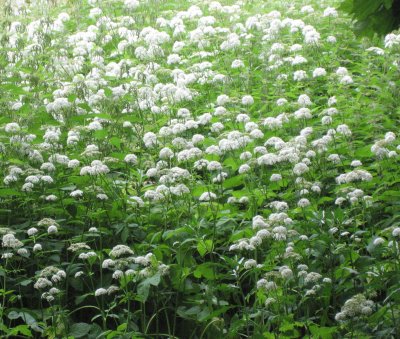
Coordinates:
197 170
373 16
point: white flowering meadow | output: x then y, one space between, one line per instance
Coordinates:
197 169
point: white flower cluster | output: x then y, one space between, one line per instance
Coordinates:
356 307
356 175
103 291
392 40
120 250
96 167
10 241
139 101
48 277
381 148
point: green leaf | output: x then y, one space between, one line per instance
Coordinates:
172 233
206 315
372 16
124 234
232 163
363 8
115 141
14 89
81 298
205 270
21 329
122 327
72 97
25 316
347 6
26 282
143 289
79 330
101 134
286 326
204 247
188 313
15 161
108 92
154 280
234 181
322 332
85 106
9 192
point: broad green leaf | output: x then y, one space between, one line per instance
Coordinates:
204 246
205 270
79 330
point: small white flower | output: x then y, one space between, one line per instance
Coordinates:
232 200
304 100
214 166
275 177
250 263
102 196
22 251
76 194
12 127
32 231
120 250
47 179
303 203
378 241
42 283
299 75
247 100
330 12
237 64
73 163
244 200
244 169
51 197
396 232
207 196
346 80
37 247
131 159
319 72
356 163
286 272
100 291
326 120
300 168
127 124
78 274
331 39
52 229
242 118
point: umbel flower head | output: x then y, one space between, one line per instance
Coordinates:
120 250
355 307
10 241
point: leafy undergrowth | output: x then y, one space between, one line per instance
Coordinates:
197 170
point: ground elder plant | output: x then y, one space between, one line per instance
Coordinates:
197 169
